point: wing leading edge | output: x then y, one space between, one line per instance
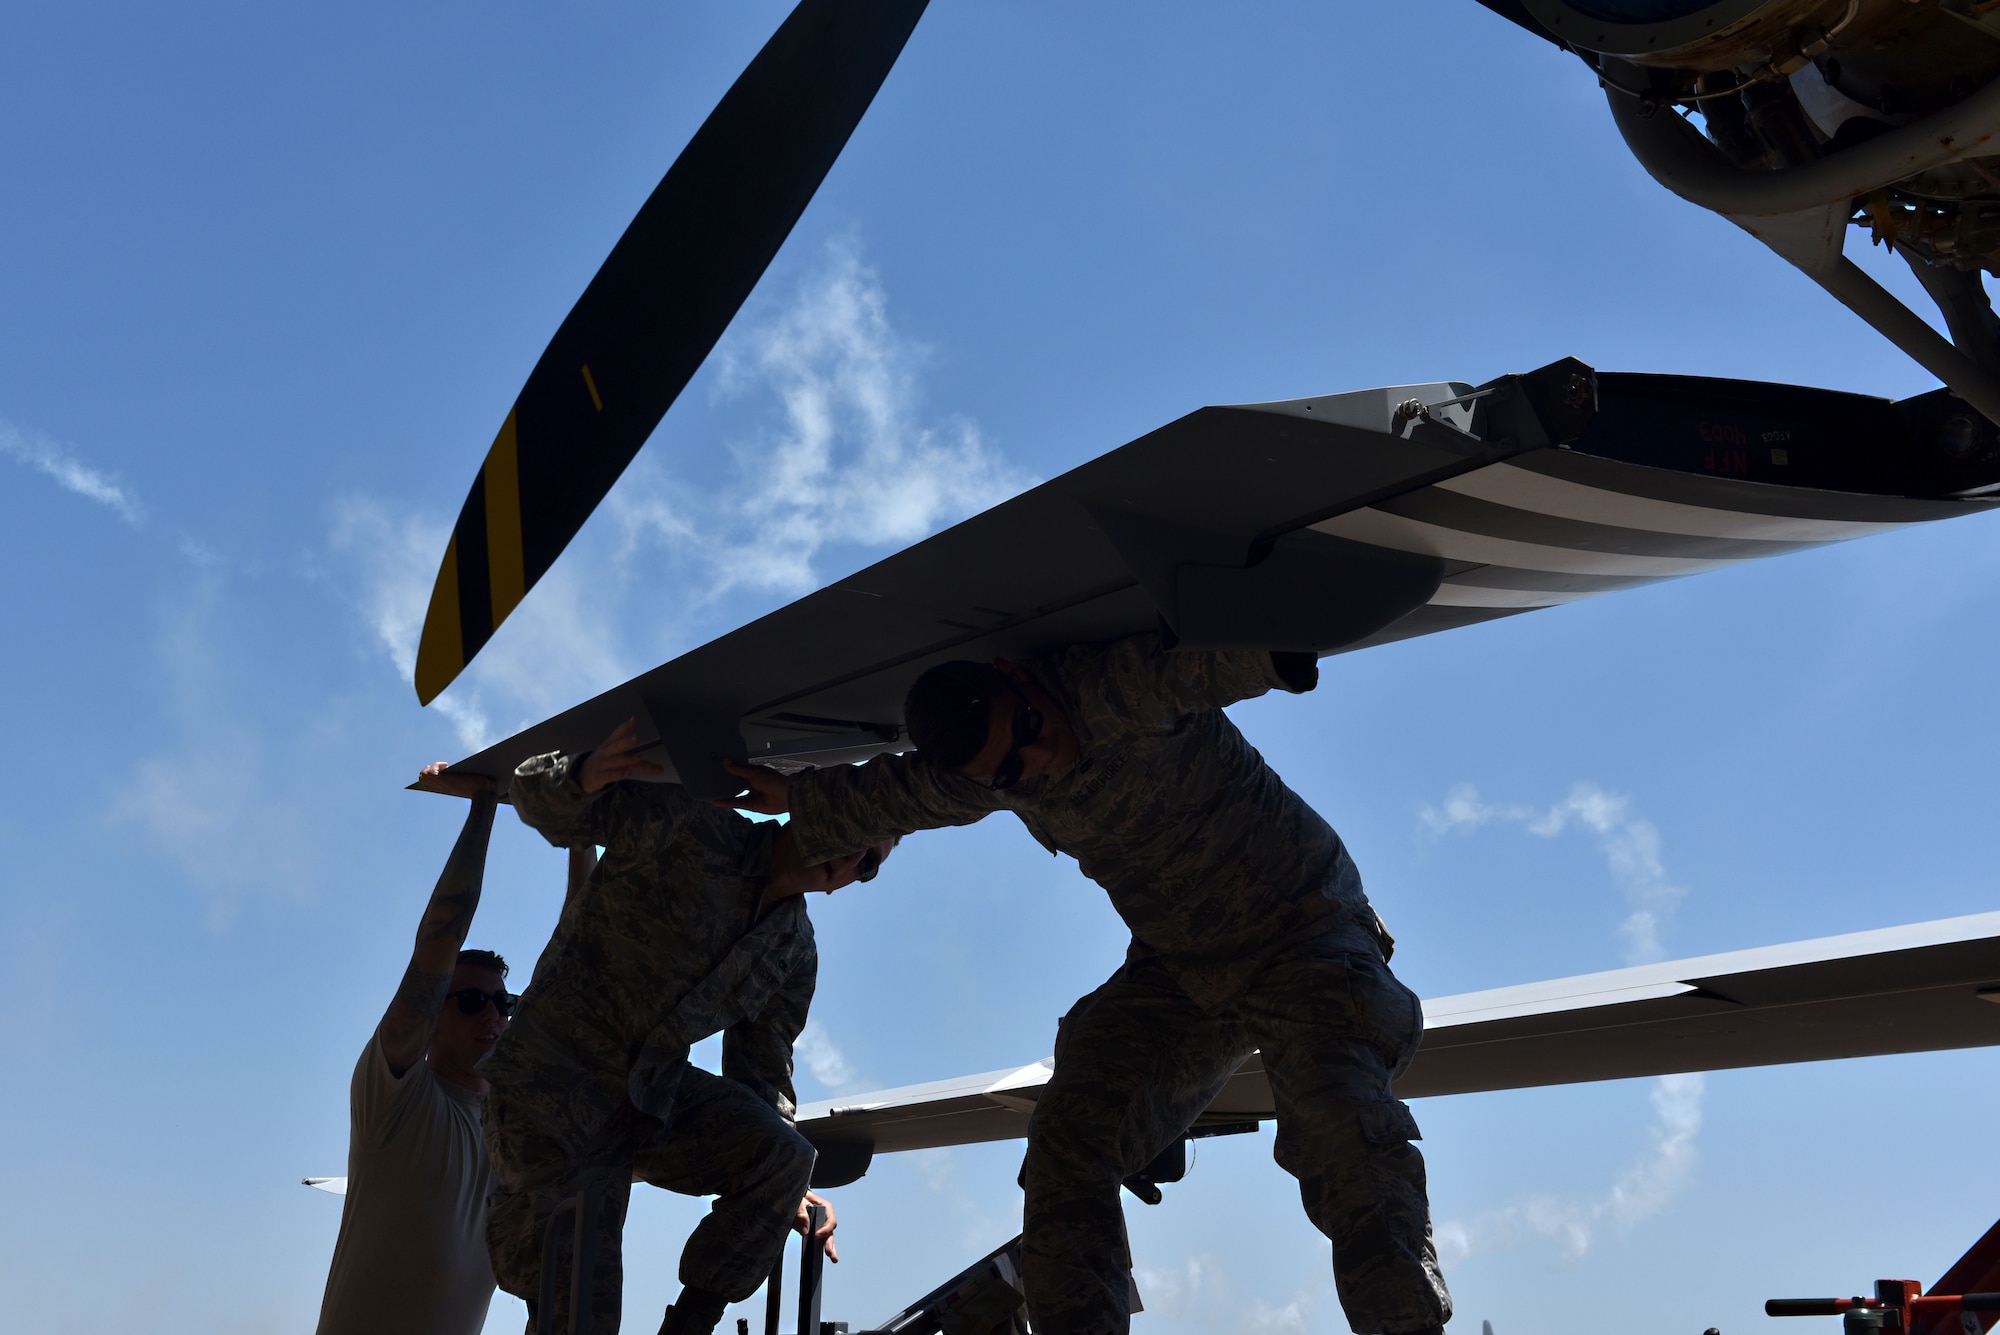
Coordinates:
1329 523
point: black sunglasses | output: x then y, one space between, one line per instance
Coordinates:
472 1001
1027 727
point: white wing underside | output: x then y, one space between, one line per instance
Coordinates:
1924 987
1916 988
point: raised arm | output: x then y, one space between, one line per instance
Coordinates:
405 1031
847 808
1155 680
574 799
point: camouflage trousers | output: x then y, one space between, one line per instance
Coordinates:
1137 1060
722 1140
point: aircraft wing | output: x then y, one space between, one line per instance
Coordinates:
1918 988
1327 524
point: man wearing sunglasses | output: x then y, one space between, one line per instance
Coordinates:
1250 932
411 1256
694 923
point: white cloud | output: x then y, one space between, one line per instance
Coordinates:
823 1057
393 558
1262 1317
847 460
1631 847
214 805
1630 844
939 1170
208 809
1200 1293
34 450
1645 1189
1176 1292
562 644
555 649
396 556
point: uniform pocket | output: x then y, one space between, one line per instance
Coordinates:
1388 1122
1389 1015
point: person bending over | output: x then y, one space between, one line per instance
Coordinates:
411 1256
692 924
1250 931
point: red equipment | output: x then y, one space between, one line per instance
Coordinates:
1960 1303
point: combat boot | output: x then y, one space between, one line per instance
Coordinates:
695 1312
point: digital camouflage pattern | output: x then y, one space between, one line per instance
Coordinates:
1138 1059
720 1140
1250 929
669 941
1210 859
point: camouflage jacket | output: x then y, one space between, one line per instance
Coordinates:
1209 858
669 941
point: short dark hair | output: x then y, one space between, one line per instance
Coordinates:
949 709
482 959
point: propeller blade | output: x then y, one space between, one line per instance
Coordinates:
655 309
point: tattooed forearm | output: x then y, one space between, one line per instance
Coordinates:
406 1026
448 916
421 992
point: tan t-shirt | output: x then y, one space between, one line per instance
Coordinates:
411 1259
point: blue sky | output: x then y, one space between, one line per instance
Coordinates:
269 280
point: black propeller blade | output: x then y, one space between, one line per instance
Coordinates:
655 309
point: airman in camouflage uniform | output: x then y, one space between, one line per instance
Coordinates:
674 938
1250 931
